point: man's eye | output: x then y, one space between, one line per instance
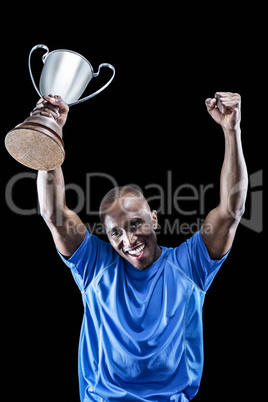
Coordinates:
115 233
134 225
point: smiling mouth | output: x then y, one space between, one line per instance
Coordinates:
137 251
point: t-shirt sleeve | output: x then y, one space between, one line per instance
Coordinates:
193 258
89 259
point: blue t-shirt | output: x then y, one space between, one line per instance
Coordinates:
141 336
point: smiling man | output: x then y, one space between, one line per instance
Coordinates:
141 337
130 226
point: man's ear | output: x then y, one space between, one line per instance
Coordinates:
154 219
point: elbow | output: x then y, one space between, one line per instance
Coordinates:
237 208
237 213
234 213
49 217
53 218
233 206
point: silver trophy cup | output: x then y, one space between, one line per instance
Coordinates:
37 142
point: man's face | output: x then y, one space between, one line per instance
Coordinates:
129 225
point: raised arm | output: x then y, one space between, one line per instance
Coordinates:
66 227
220 226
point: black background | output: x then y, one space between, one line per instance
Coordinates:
150 120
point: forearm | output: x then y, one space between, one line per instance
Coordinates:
234 177
51 194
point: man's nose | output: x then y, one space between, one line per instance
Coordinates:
129 239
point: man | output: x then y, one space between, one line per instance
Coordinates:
141 337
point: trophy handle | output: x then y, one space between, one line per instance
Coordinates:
29 63
99 90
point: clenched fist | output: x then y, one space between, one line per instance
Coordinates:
225 109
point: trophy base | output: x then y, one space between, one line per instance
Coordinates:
37 143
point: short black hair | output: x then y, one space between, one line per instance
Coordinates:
114 194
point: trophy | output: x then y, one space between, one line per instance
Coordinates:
37 142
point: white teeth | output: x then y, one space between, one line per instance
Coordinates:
137 250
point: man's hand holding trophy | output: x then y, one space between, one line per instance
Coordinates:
37 142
